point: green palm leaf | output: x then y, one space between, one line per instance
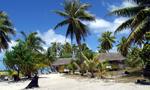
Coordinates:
62 23
139 32
128 11
124 25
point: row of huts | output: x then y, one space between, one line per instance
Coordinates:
116 61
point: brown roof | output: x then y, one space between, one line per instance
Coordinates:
111 57
62 61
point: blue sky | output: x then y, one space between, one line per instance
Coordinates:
37 15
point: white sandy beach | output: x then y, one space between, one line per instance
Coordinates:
60 82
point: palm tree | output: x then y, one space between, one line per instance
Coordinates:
133 58
74 13
33 41
6 29
66 50
120 45
50 57
32 48
102 70
106 41
93 65
138 21
56 48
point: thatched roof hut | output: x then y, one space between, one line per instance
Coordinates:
116 60
111 57
62 61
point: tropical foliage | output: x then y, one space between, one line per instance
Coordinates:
120 46
94 65
138 22
106 41
26 56
66 50
6 29
133 58
146 58
74 13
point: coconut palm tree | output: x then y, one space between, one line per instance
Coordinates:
106 41
56 48
6 29
31 45
120 45
74 13
138 21
66 50
33 41
94 65
26 56
133 58
101 68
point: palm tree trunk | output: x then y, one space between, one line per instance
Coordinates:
92 74
18 72
28 75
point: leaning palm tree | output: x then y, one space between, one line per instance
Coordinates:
94 65
123 41
90 64
106 41
6 29
138 21
74 13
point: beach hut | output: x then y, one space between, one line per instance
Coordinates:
60 64
116 60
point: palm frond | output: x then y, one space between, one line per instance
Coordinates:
62 23
85 16
61 13
141 15
127 12
124 25
7 29
141 2
139 31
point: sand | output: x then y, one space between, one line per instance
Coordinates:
61 82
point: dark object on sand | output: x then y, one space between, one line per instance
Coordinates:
16 78
33 83
142 82
126 72
146 72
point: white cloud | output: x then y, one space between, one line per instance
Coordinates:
98 25
122 5
50 36
11 44
101 25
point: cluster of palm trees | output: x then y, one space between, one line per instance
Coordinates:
74 14
26 57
